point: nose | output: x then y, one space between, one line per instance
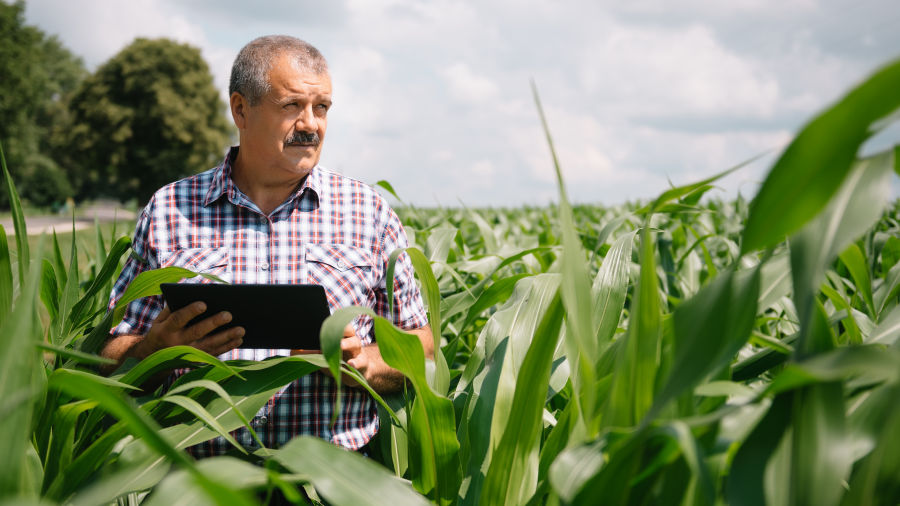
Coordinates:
306 122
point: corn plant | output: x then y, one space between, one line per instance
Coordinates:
669 352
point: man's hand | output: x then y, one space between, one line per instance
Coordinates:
168 329
367 360
351 352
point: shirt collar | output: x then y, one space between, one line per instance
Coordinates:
222 183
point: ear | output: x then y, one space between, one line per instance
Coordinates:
239 109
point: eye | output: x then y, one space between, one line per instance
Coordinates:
290 105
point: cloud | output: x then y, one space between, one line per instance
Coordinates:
434 96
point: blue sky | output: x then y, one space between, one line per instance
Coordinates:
434 96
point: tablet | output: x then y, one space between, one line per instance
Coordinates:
283 317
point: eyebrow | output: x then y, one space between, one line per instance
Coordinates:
294 98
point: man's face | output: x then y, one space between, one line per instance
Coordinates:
286 130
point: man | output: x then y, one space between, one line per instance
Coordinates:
271 214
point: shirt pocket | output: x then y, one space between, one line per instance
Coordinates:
202 260
344 271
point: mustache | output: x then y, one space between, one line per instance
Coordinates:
303 138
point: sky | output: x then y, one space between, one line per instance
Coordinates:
434 96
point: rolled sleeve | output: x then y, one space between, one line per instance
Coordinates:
139 314
409 309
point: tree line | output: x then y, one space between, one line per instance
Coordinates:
148 116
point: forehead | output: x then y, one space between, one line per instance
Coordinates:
286 78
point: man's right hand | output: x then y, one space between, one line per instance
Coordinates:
168 329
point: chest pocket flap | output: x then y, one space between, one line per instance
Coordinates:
197 259
339 256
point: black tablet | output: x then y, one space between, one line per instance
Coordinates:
284 317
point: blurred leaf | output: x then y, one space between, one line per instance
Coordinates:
18 361
6 280
106 272
856 263
888 329
745 480
18 220
819 159
888 290
890 254
854 208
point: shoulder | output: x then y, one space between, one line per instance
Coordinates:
190 190
334 186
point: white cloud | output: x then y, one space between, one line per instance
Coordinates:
435 98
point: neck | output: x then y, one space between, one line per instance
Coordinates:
260 185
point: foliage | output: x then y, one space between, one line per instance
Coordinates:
590 355
148 116
37 76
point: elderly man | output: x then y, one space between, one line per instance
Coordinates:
270 214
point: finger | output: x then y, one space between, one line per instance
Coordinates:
163 315
359 362
221 342
180 318
350 347
205 327
349 381
349 331
326 372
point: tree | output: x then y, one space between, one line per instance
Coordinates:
149 116
37 76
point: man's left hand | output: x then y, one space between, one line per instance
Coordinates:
351 352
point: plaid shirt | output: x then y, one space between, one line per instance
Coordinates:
333 231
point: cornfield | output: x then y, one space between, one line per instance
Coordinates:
671 353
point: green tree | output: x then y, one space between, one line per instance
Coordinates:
149 116
37 77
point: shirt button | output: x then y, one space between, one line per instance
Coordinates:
341 264
263 420
263 220
264 266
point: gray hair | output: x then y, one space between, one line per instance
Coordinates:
250 72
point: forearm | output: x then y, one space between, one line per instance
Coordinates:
121 348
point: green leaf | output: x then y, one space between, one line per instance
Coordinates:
18 220
171 357
19 360
344 478
855 207
888 329
632 392
197 410
497 293
609 290
506 481
434 458
745 480
819 159
856 263
821 457
77 356
888 290
330 337
387 186
58 264
215 387
724 389
146 284
6 281
106 272
839 302
49 290
890 254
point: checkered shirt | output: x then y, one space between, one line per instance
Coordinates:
333 231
